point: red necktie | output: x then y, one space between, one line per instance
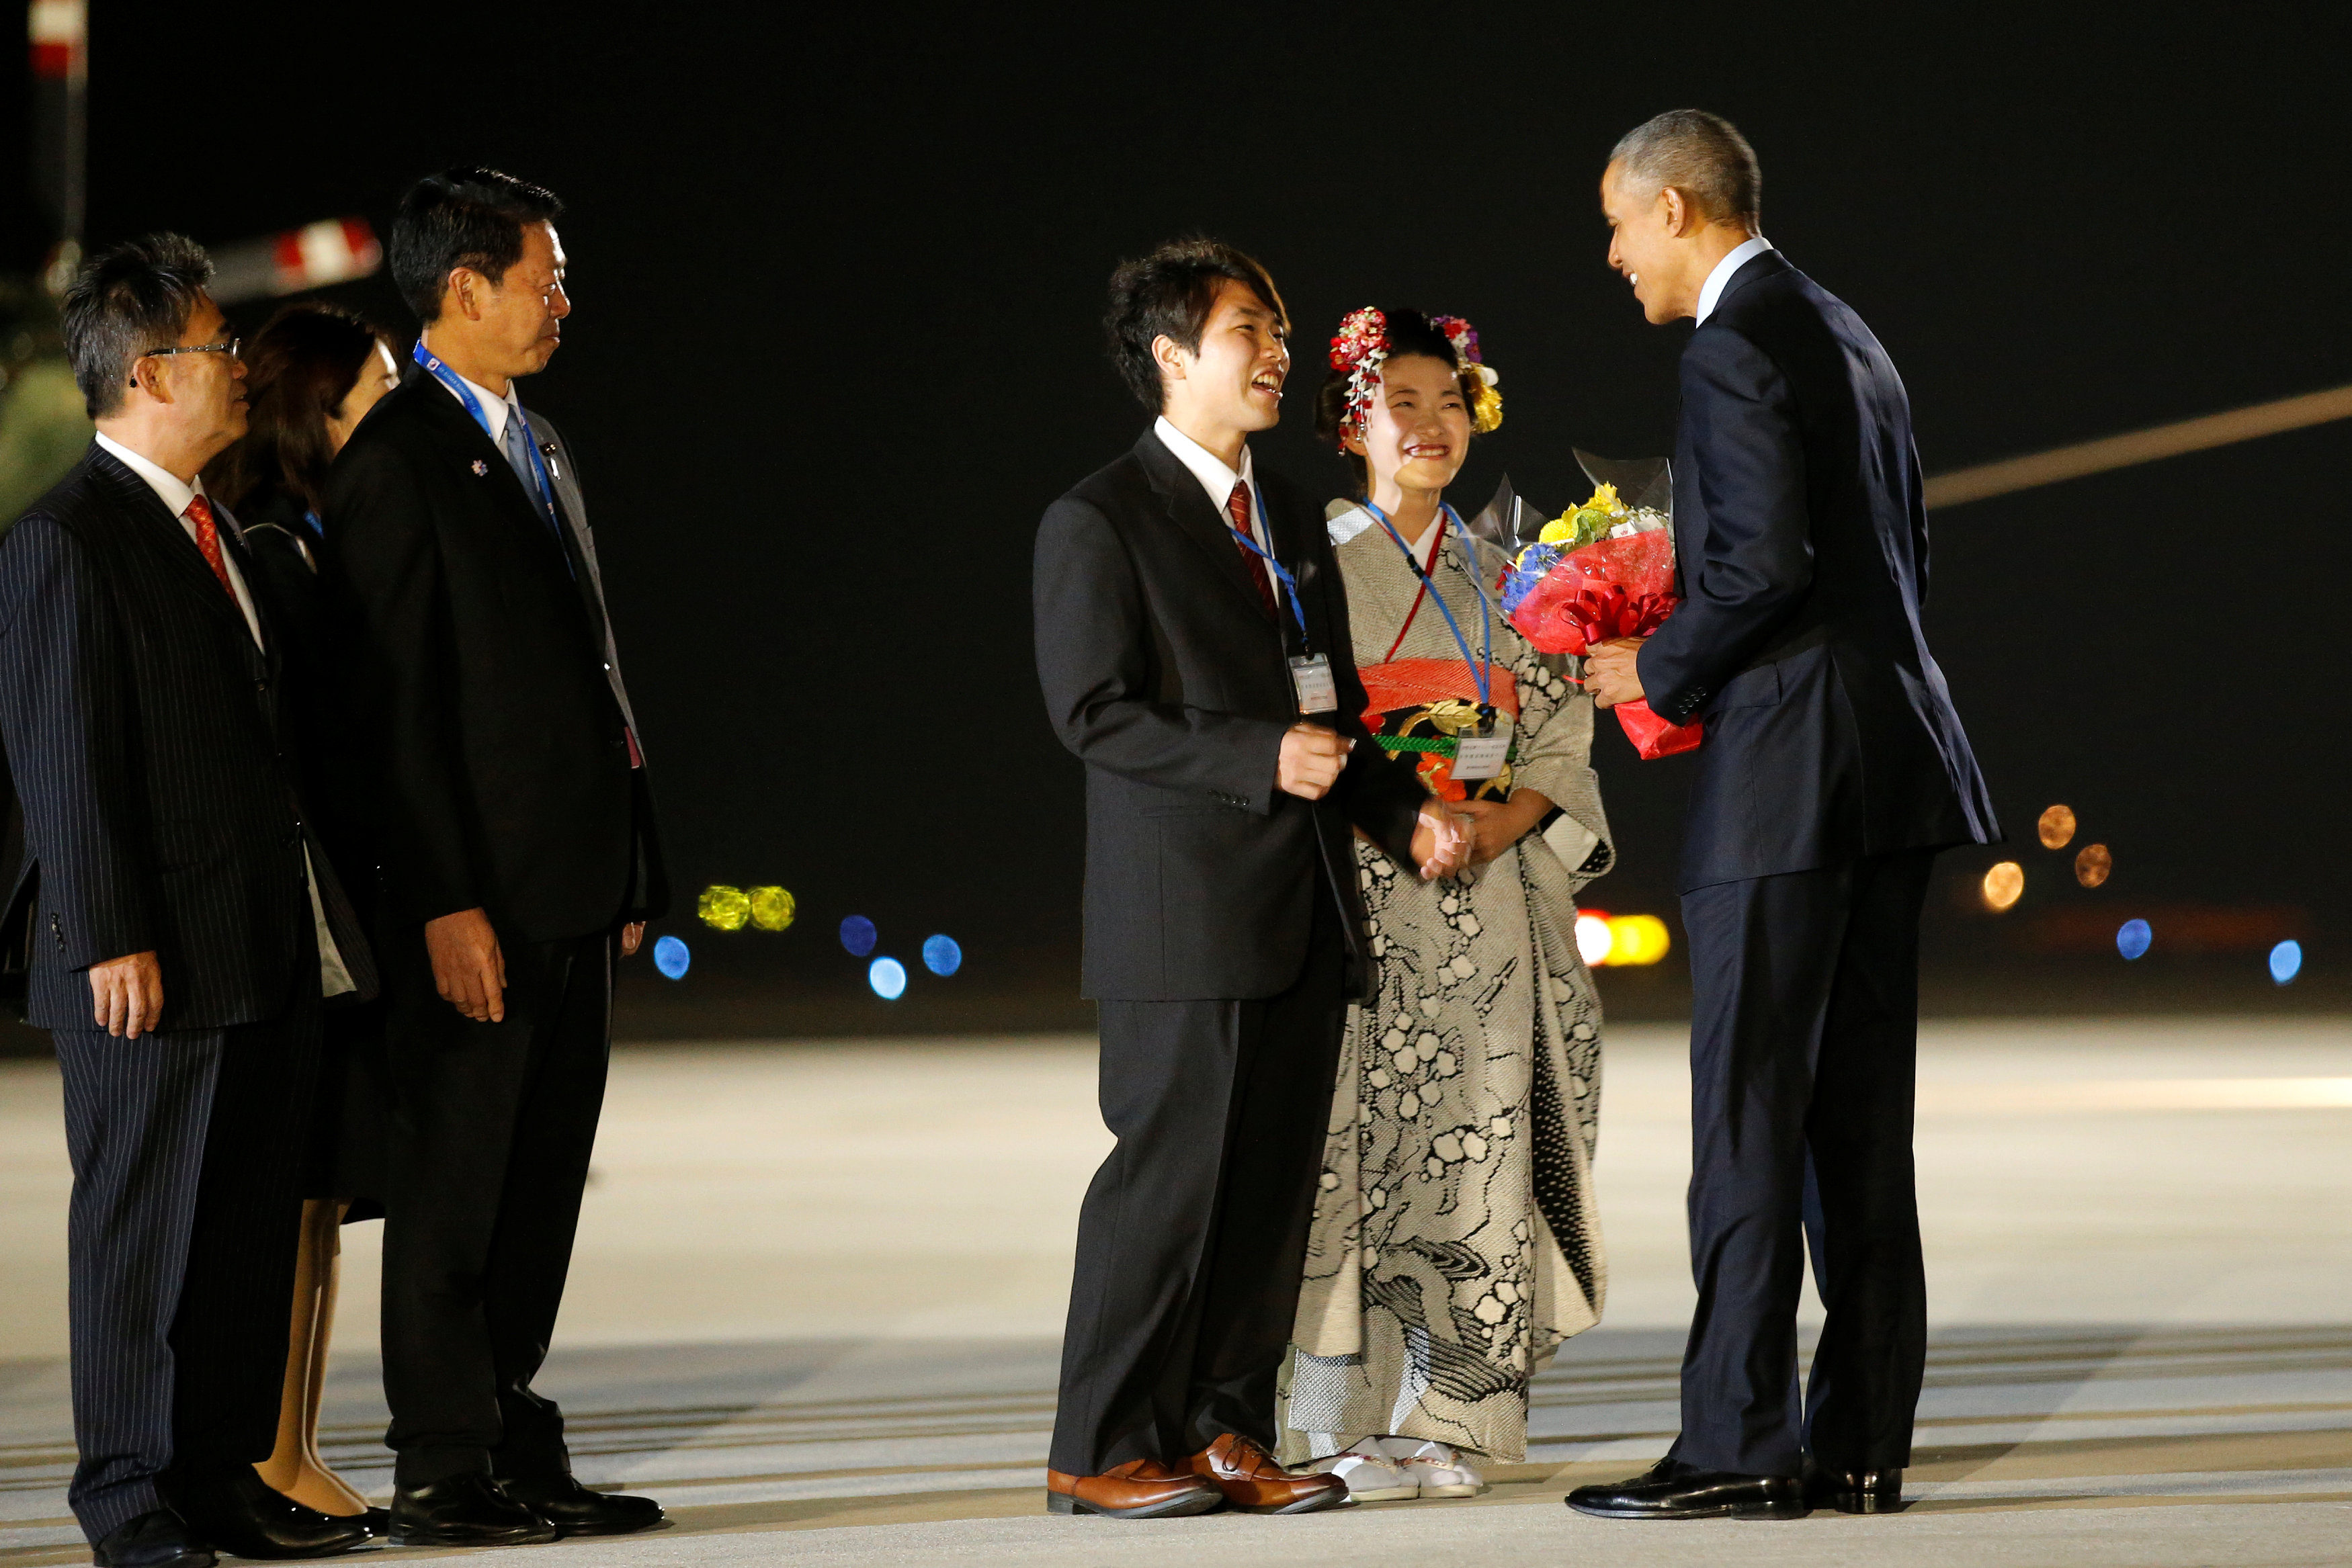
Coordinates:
200 512
1238 506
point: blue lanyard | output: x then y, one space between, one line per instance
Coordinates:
455 384
1289 583
1479 670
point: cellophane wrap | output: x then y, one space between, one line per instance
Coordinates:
1565 601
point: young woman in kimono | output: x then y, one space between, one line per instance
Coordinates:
1455 1244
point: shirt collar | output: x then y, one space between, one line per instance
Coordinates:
167 485
1710 293
495 409
1205 465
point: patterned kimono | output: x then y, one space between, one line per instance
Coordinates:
1455 1242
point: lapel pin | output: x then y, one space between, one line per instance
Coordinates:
481 469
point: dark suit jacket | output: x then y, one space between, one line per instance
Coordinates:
317 704
483 667
1166 676
162 806
1802 544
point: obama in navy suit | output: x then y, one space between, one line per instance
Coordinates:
1833 768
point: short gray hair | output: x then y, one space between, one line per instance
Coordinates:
127 300
1700 154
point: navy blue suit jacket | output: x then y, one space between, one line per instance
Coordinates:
1803 548
1164 673
162 806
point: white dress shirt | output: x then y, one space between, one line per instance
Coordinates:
495 409
334 978
175 496
1717 281
1216 478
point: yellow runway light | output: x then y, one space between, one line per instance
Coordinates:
2004 885
1637 939
723 908
772 908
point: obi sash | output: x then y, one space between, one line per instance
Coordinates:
1419 706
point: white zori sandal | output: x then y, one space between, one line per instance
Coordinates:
1372 1476
1433 1469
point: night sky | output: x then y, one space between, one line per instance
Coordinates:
835 347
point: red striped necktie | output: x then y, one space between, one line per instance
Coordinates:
1238 506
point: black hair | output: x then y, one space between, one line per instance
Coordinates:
1409 333
1169 294
127 301
462 217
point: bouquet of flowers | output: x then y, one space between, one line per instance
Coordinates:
1599 572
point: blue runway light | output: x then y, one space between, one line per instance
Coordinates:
671 957
2286 962
857 936
888 979
941 957
2133 939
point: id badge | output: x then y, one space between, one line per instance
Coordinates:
1311 678
1477 756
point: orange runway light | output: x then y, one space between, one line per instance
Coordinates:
2004 885
2057 827
2093 865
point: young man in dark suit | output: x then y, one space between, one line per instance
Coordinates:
181 927
1832 770
1192 644
519 859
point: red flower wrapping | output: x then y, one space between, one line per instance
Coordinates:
1611 588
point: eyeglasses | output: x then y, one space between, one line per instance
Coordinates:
229 348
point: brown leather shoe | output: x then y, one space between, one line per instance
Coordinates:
1140 1488
1253 1482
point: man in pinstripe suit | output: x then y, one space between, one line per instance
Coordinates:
184 927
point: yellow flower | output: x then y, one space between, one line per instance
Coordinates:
1558 531
1604 499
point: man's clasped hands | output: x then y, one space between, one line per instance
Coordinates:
1312 757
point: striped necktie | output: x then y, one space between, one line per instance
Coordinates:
1237 506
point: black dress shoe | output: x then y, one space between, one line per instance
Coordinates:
1855 1491
576 1511
1670 1489
466 1509
157 1539
236 1511
378 1521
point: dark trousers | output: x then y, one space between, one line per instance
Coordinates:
491 1127
1804 1044
1193 1232
180 1238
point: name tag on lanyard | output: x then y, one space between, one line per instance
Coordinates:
1479 756
1310 677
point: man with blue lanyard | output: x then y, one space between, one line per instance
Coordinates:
1192 644
519 859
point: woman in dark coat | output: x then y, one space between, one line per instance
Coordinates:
312 374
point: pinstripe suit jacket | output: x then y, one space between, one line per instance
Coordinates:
161 811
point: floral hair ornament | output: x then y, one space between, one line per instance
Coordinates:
1359 348
1486 403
